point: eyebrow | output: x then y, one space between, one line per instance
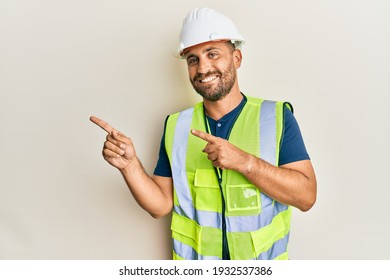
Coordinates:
204 51
210 49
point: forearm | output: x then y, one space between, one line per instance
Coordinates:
295 187
153 195
154 199
292 184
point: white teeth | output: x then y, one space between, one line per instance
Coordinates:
208 79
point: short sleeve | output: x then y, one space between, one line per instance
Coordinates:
292 145
163 167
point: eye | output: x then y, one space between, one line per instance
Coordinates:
192 60
213 55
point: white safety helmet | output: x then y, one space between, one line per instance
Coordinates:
205 25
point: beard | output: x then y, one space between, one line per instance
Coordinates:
216 92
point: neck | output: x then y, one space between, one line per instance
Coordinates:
218 109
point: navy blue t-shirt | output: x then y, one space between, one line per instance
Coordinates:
292 146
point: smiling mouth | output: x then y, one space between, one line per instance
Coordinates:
208 79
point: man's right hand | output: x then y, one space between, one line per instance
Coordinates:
118 149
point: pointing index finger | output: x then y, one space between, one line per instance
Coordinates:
104 125
203 135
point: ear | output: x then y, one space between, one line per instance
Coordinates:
237 58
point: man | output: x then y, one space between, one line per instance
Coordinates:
231 167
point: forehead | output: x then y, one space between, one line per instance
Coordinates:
205 47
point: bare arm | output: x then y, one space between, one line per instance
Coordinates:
153 194
292 184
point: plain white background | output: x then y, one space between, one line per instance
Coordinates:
64 60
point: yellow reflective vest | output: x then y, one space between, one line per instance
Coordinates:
207 210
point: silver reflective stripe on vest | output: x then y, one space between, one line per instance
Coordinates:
234 223
268 153
268 131
253 223
267 140
203 218
179 154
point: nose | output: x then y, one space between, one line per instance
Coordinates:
204 66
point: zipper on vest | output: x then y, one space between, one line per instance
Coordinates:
225 246
218 172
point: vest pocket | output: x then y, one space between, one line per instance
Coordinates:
243 199
192 241
187 234
206 191
264 238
